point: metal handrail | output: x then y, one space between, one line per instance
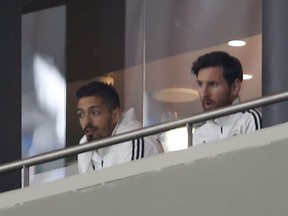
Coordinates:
145 131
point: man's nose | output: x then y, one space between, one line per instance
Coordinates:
204 91
86 120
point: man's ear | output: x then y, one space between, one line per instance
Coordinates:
236 87
116 115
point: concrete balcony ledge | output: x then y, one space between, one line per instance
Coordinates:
243 175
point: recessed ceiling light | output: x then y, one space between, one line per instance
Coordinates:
175 95
247 76
236 43
105 79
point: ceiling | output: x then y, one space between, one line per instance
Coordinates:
173 27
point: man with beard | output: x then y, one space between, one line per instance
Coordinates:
100 116
219 77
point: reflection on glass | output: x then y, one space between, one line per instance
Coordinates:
169 116
43 90
176 139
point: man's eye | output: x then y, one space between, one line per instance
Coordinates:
95 112
80 114
214 85
199 84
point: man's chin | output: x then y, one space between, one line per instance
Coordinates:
208 108
90 137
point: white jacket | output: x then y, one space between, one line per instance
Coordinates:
227 126
120 153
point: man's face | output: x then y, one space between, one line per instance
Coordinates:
95 118
214 90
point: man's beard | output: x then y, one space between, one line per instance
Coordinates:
90 136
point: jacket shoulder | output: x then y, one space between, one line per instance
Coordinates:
200 124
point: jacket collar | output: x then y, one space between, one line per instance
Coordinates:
222 120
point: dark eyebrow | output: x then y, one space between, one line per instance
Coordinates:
89 108
212 82
93 107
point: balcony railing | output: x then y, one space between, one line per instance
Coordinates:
24 164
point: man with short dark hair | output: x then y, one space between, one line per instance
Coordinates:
100 116
219 77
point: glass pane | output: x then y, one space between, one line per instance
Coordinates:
44 88
179 31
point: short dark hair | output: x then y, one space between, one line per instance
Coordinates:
105 91
232 68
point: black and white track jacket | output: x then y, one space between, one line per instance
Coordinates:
228 126
120 153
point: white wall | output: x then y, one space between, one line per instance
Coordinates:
245 175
